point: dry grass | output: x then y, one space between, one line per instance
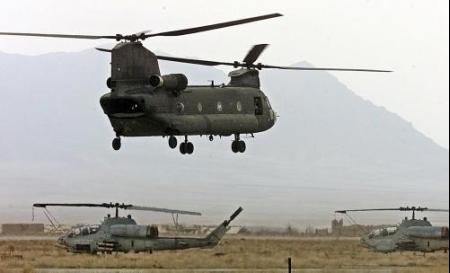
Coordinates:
232 253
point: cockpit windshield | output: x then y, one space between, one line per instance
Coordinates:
84 230
382 232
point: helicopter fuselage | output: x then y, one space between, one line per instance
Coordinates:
197 110
123 234
410 235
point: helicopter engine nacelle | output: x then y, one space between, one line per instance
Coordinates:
175 82
428 232
135 231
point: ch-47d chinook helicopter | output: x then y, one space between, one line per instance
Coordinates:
123 234
144 103
411 235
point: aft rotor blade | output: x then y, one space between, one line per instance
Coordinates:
259 66
192 61
321 68
254 53
186 31
65 36
171 211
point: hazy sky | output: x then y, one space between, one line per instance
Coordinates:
408 36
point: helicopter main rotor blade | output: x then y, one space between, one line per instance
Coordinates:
192 61
143 34
254 53
260 66
116 205
438 210
362 210
186 31
65 36
394 209
321 68
91 205
163 210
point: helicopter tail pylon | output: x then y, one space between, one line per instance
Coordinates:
217 234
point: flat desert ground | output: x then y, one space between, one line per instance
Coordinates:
234 254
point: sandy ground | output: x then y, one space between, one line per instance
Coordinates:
233 255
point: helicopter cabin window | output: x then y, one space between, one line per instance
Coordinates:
219 106
239 106
258 106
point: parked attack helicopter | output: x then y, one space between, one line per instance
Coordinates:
411 235
144 103
123 234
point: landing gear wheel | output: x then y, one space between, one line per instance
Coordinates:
241 146
211 138
173 142
183 148
116 144
234 146
189 148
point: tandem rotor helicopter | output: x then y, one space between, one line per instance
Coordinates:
411 235
144 103
123 234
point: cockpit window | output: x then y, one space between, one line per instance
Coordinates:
268 103
121 106
383 232
85 230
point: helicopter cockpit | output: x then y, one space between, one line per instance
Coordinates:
383 232
83 230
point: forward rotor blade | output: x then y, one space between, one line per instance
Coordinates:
171 211
192 61
322 68
254 53
214 26
66 36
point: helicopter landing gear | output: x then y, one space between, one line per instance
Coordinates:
116 143
173 142
186 147
238 146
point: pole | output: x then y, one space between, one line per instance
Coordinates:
289 265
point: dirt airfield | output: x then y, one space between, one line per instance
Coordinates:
234 254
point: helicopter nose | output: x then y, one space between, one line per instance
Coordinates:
273 115
61 241
363 242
